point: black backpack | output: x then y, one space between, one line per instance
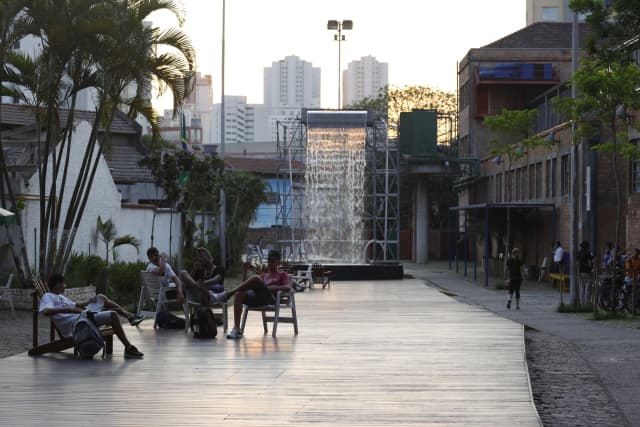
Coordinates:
203 323
168 320
87 340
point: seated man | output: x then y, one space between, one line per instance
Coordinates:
256 291
65 312
158 265
206 275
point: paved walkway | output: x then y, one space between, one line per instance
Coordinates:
386 353
609 349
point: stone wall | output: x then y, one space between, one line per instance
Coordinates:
21 298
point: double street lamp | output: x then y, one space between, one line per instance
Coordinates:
339 26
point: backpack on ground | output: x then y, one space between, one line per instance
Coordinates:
168 320
203 323
87 340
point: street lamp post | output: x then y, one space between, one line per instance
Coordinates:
339 26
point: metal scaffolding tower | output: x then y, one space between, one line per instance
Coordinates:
382 200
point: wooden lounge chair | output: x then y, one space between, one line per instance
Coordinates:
61 343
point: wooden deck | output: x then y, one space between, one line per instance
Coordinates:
368 353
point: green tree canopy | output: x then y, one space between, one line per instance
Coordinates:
393 100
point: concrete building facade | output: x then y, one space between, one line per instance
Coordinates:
363 78
292 82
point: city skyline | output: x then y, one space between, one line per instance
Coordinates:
421 42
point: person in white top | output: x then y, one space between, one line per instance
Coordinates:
64 313
158 265
558 254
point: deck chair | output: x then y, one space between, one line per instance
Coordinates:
283 299
543 269
60 343
193 301
5 293
320 276
302 277
153 293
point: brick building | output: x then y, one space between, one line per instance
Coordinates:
525 202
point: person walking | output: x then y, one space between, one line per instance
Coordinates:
558 254
585 266
514 269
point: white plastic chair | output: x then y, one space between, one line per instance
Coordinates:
5 292
283 299
543 269
154 290
193 302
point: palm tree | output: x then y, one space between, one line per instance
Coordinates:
107 233
100 44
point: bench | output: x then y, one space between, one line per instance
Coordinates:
557 277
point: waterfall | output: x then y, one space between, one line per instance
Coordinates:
334 192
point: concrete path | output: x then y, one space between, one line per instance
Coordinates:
611 348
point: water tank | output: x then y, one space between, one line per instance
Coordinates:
418 133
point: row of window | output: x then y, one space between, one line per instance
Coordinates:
526 183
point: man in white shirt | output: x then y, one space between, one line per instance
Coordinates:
158 265
558 254
64 313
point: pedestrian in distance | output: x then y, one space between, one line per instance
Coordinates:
585 267
514 269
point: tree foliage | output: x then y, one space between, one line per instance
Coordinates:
607 83
393 100
513 133
102 45
193 183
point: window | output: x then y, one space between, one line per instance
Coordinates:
538 193
550 14
565 173
635 171
518 194
532 182
551 179
499 188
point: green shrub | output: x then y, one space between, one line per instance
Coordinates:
124 282
85 270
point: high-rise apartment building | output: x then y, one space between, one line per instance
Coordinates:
552 11
292 82
363 79
235 129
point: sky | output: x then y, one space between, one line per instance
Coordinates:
421 40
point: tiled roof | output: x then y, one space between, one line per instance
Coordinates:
122 158
21 115
542 35
258 165
122 155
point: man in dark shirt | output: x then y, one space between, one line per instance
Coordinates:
514 268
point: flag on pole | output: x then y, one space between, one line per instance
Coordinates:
183 133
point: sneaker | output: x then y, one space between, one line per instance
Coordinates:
132 352
234 334
509 304
136 319
218 296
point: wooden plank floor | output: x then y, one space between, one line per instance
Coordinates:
368 353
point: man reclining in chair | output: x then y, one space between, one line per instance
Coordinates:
206 275
256 291
65 312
